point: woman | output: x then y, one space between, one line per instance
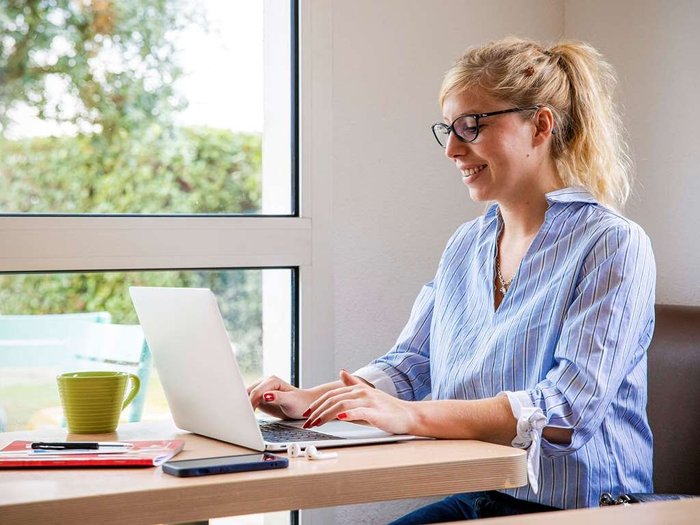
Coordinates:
535 329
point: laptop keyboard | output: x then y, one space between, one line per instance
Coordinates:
275 432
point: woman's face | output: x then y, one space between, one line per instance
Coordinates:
501 164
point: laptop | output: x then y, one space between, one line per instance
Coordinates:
203 384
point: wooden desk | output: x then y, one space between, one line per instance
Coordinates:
681 512
146 495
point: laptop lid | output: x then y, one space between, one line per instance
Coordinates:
201 378
196 365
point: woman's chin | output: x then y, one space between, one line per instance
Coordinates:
476 193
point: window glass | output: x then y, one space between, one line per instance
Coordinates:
52 323
145 107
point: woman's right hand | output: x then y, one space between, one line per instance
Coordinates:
278 398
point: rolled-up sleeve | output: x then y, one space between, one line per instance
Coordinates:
605 333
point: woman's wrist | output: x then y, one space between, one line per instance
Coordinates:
419 417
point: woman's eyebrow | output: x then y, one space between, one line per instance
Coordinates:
460 114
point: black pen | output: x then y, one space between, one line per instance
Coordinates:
77 445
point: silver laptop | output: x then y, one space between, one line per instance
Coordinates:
203 384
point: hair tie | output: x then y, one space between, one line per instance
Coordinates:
529 71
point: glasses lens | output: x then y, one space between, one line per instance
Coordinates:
466 128
442 133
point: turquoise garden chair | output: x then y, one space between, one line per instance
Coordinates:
71 342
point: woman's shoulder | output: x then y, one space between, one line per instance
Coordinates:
576 209
604 232
608 222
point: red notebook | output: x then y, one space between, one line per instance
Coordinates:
140 454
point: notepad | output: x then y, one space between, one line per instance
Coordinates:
19 454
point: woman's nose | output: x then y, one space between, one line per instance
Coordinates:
454 147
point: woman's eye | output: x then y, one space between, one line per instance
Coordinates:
467 132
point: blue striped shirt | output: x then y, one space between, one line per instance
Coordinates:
571 334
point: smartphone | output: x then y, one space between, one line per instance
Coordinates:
224 464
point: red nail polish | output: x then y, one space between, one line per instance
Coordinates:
342 415
306 414
316 423
269 397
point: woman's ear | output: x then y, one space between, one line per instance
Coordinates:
544 126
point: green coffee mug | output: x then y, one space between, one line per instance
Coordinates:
93 401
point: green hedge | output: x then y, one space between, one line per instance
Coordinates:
189 171
184 171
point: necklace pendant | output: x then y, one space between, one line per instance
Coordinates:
503 290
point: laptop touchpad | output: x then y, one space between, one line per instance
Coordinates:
350 430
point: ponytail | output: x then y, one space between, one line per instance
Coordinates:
592 151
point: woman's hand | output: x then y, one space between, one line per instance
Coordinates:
358 401
278 398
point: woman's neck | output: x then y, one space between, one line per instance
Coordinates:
523 213
524 217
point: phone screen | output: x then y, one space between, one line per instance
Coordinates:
224 460
224 464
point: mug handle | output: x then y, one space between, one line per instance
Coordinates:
135 385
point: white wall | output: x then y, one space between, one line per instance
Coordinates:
654 46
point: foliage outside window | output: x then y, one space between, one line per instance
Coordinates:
102 76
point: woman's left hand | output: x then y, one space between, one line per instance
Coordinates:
358 401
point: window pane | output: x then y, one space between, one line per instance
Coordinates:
145 107
52 323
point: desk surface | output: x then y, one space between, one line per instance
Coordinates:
146 495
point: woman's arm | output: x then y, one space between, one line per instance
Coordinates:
603 339
406 368
488 419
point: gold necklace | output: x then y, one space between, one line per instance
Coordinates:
503 288
504 284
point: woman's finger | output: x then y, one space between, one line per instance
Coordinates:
250 387
270 384
332 412
327 410
325 397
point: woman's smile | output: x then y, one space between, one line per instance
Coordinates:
469 173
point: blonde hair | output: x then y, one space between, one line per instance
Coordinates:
577 84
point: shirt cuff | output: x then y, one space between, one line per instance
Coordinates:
530 422
378 378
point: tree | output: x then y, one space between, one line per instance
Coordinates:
116 60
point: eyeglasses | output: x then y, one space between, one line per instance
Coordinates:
466 127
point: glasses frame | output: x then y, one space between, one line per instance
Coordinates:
476 116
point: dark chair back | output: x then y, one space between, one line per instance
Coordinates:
674 399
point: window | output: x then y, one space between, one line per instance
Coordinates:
151 141
146 107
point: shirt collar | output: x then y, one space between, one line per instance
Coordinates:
569 194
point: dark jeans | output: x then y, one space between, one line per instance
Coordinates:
471 506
